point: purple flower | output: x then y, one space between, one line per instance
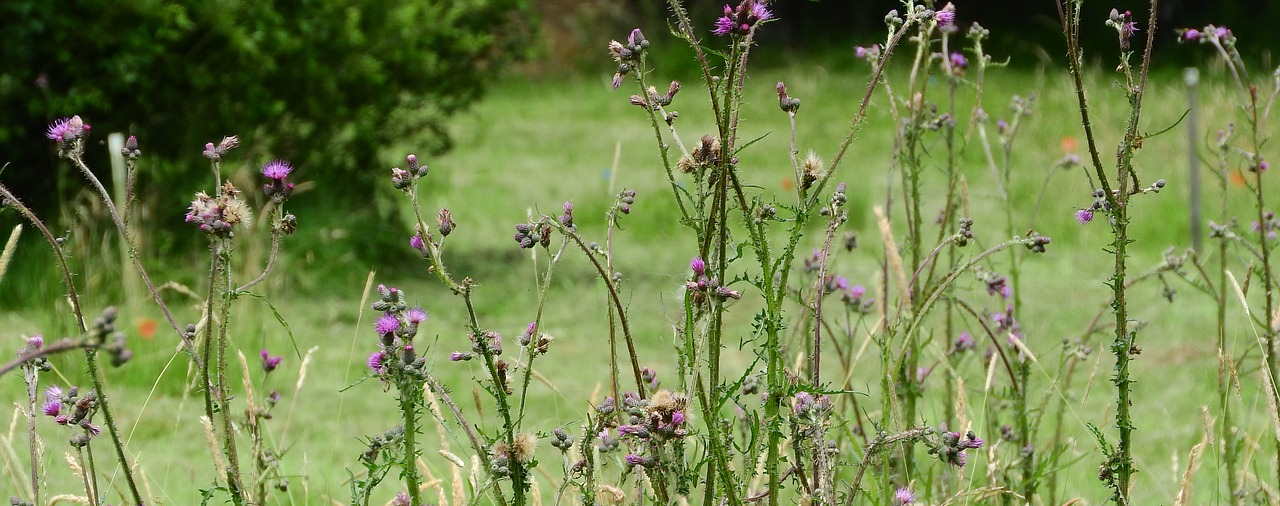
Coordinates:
636 38
375 361
1263 166
1191 34
698 266
903 497
459 356
635 460
1221 32
52 408
53 393
60 419
633 430
94 430
387 324
66 129
277 170
566 219
1084 216
723 26
677 418
958 60
415 242
269 363
416 316
964 342
946 17
739 20
999 285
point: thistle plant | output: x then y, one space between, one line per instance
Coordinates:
1118 468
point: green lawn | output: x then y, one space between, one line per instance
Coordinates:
529 146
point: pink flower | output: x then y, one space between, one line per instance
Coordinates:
375 361
416 315
52 408
1084 216
66 129
269 362
387 324
277 170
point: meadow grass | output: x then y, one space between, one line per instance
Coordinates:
531 145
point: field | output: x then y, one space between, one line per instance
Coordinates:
531 145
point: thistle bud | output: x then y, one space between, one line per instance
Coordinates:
444 222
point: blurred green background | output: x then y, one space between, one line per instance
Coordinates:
509 103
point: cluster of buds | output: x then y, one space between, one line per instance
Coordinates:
965 234
1124 25
219 215
215 152
606 441
952 449
627 55
1269 224
655 100
389 439
786 102
977 32
740 20
705 155
1036 242
662 416
130 149
626 198
529 235
964 342
702 287
71 409
103 334
278 187
521 450
811 410
838 200
1209 34
396 329
561 440
402 179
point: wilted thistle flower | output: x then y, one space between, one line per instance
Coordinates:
904 496
998 285
786 102
566 218
812 171
215 152
444 222
269 362
217 215
627 55
1037 242
525 446
415 168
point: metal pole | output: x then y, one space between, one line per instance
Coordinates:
1191 77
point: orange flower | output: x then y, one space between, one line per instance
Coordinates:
1068 144
1236 177
147 328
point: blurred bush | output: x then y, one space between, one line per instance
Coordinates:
324 83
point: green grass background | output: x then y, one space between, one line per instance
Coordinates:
531 145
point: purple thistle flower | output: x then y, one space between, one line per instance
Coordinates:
52 408
1084 216
60 419
964 342
636 38
459 356
903 497
1128 28
760 12
946 18
723 26
1191 34
1221 32
387 324
677 418
857 291
633 430
415 242
698 266
94 430
375 361
1263 166
269 363
35 342
416 316
958 60
277 170
53 393
66 129
635 460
